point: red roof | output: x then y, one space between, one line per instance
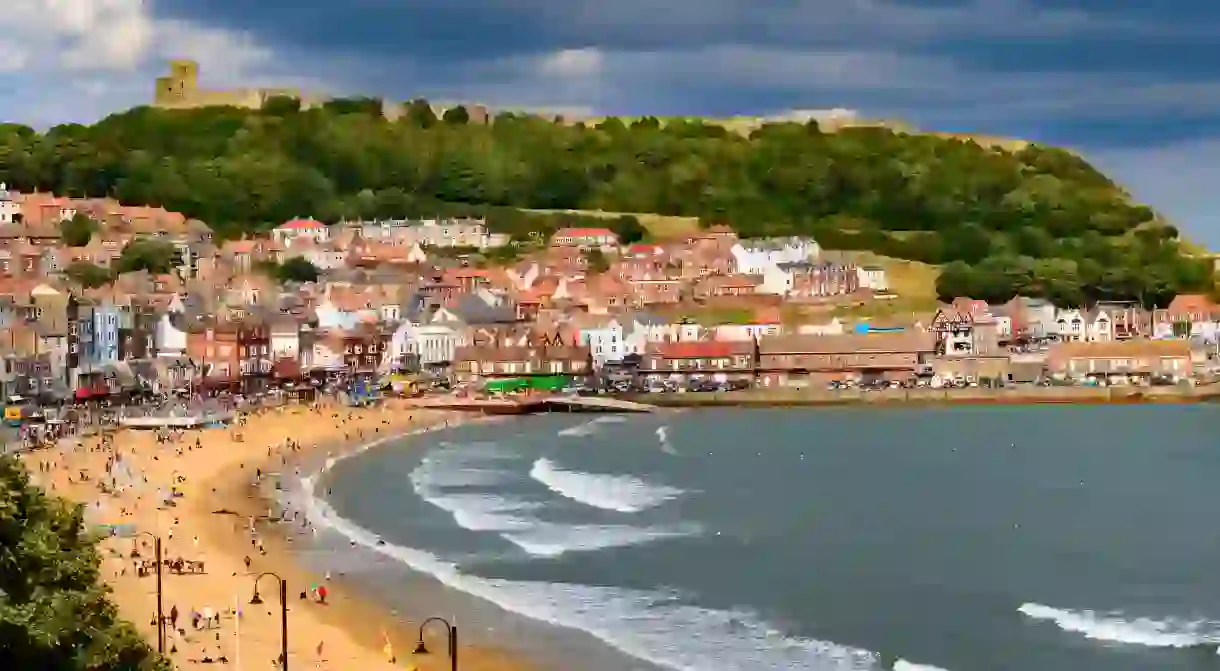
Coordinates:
703 349
645 248
297 224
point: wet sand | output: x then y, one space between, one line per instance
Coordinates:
211 524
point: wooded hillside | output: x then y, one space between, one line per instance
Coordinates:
1039 221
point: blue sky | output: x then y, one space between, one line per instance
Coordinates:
1134 86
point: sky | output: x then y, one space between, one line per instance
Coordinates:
1132 85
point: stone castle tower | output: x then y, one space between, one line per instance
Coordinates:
180 86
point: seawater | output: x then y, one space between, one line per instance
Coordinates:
1030 538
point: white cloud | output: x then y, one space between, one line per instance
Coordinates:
92 57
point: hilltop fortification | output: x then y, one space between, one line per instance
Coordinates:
180 90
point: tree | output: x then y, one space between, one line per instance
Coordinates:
915 196
628 229
281 105
54 611
419 113
598 263
456 116
155 256
77 231
88 275
297 269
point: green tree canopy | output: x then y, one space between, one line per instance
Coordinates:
297 269
456 116
920 197
54 612
598 263
155 256
628 229
77 231
88 275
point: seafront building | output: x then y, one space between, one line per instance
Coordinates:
413 297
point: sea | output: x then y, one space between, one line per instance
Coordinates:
954 538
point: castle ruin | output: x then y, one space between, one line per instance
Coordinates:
180 90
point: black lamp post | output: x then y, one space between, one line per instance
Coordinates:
135 553
421 649
257 600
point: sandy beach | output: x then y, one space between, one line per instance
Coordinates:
210 471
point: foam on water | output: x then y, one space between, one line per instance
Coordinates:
620 493
642 624
553 540
663 437
452 468
904 665
1114 627
590 427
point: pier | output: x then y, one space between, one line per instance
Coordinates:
575 403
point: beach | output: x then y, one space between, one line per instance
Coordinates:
219 522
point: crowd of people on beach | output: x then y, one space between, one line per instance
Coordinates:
132 486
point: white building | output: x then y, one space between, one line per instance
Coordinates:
9 207
431 344
755 257
872 278
297 229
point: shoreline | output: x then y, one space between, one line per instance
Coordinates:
209 524
810 398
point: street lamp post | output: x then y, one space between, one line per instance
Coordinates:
256 600
421 649
135 552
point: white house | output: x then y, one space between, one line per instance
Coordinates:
1070 325
331 316
169 340
431 343
777 279
9 207
754 257
872 278
285 339
296 229
832 327
613 340
746 332
1100 328
652 329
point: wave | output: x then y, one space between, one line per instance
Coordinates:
904 665
646 624
1113 627
642 624
590 427
451 468
553 540
620 493
663 437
